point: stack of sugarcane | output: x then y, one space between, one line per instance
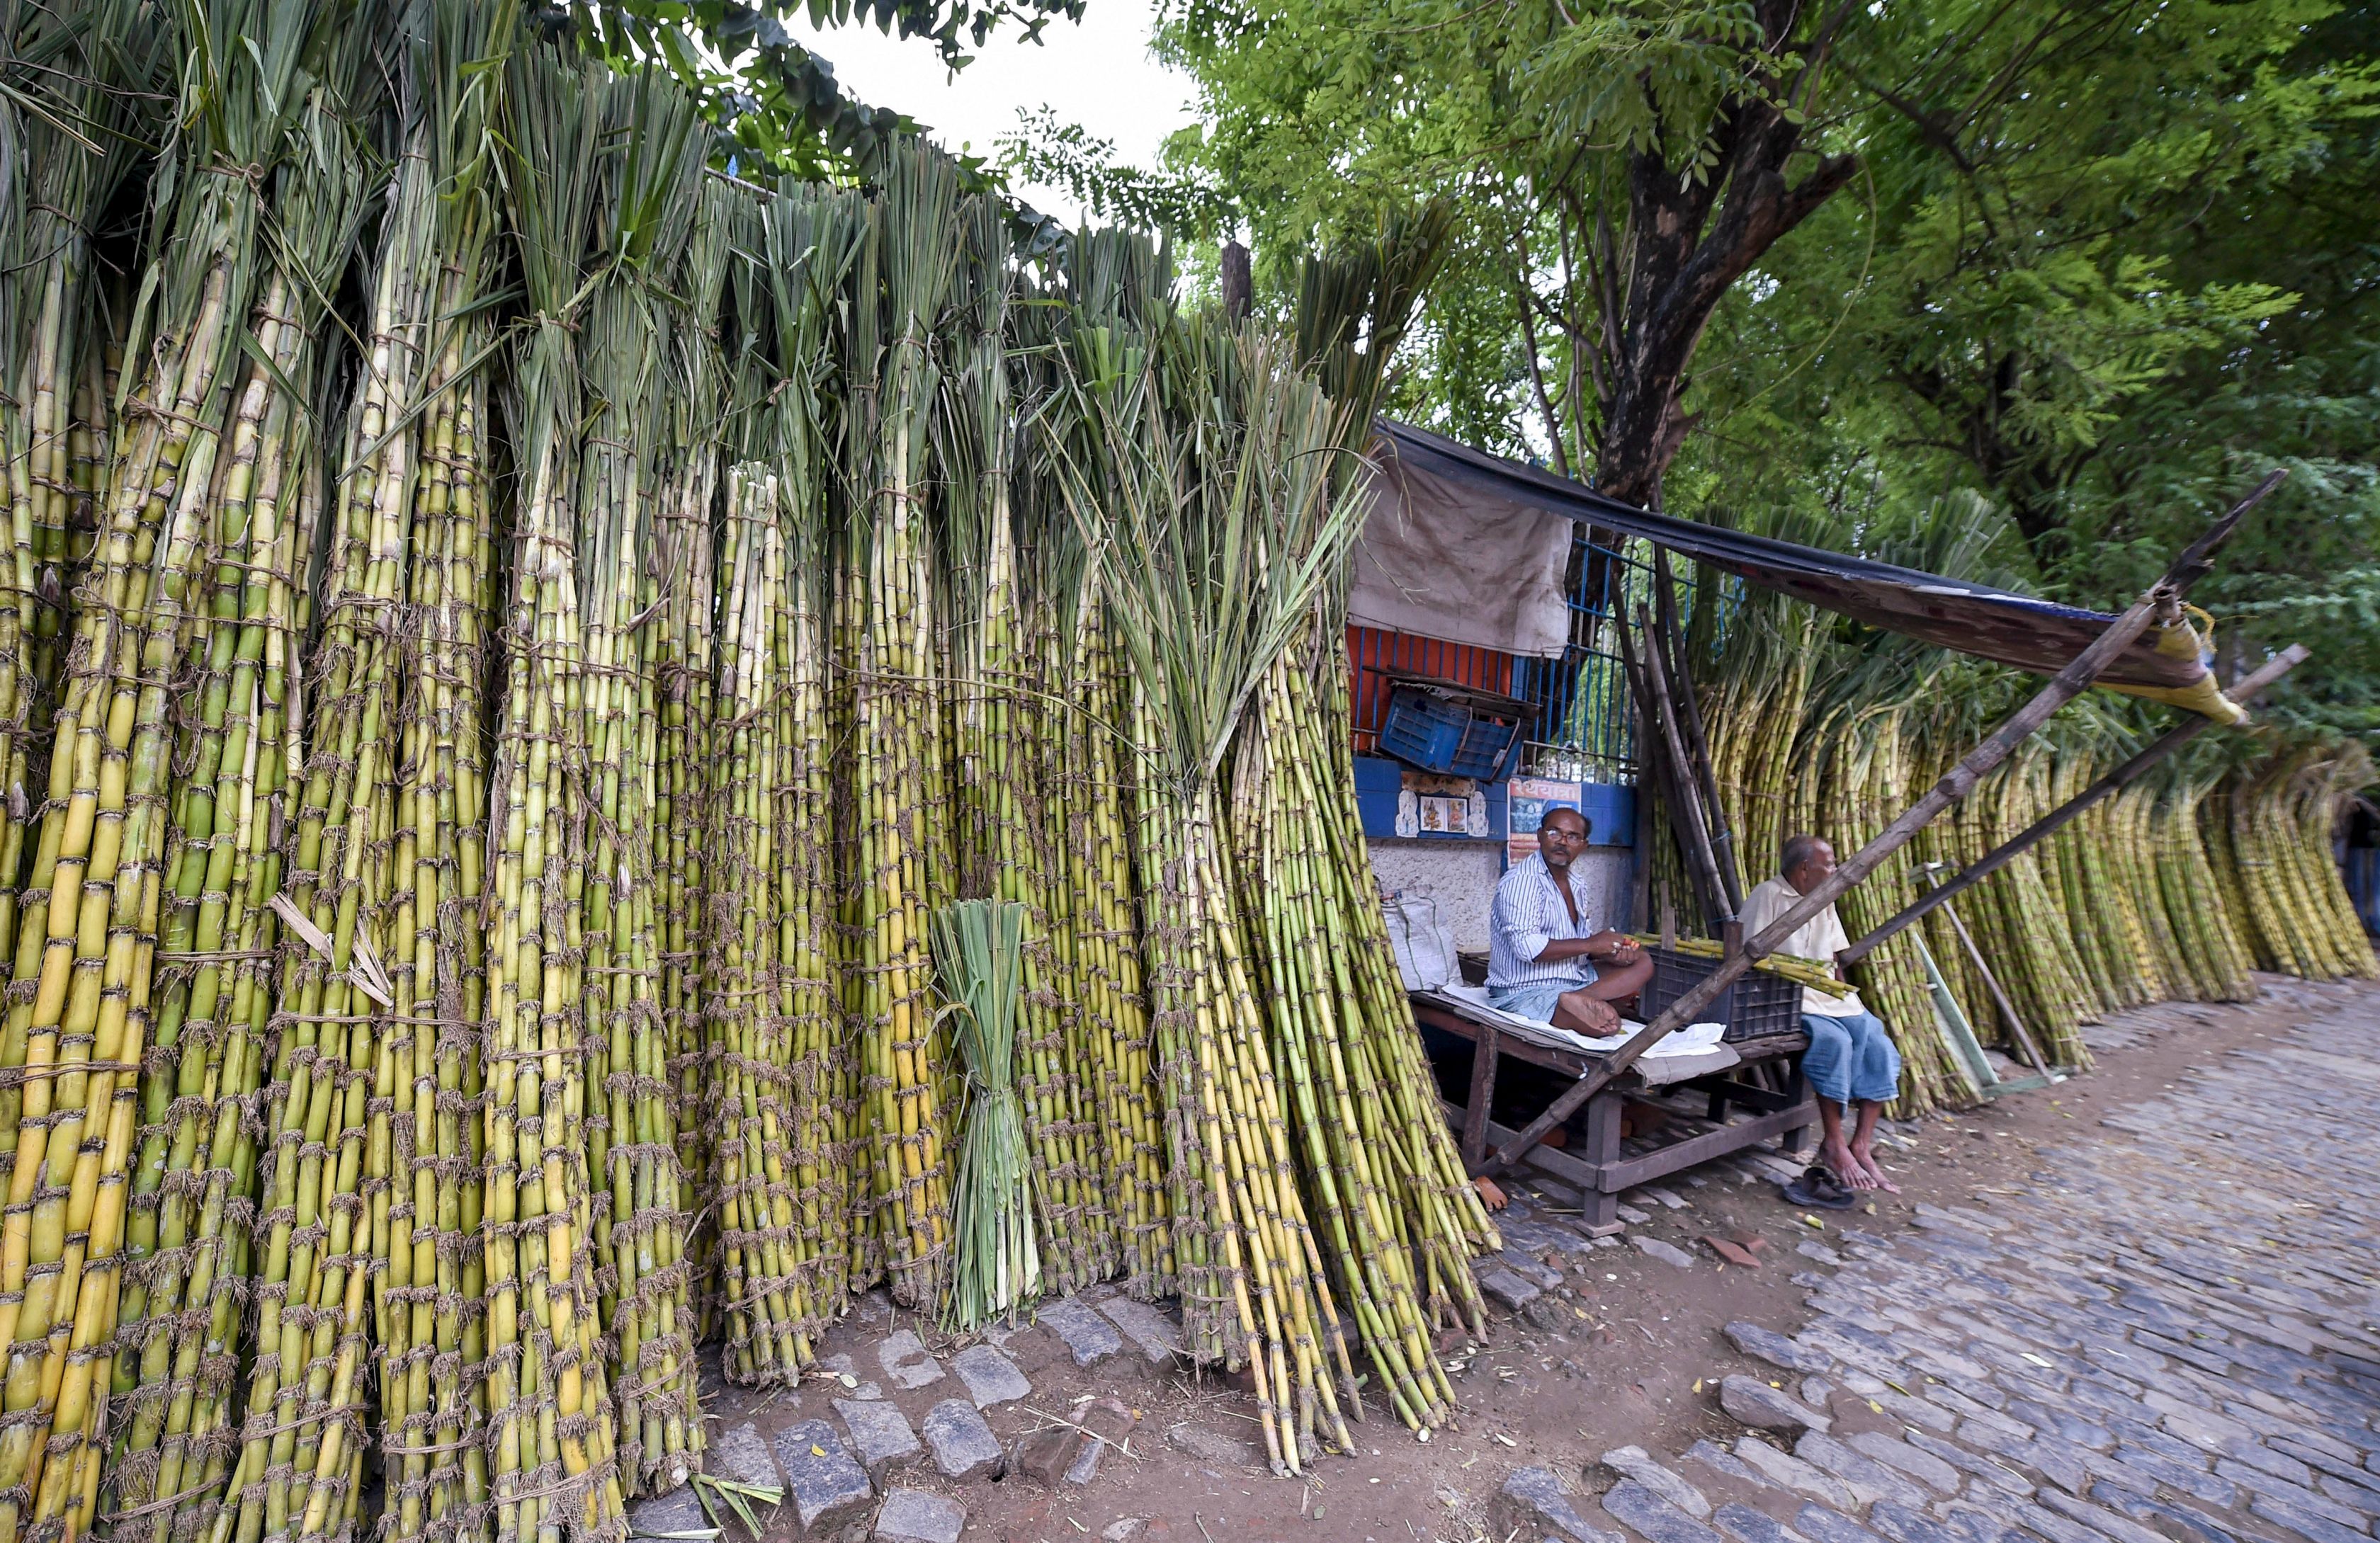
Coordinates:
2275 820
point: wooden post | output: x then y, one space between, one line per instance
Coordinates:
2063 687
1685 795
2049 825
1697 743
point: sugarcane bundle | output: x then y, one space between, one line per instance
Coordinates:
78 95
777 1100
1211 570
83 1017
899 770
1866 779
549 1420
660 273
1394 1231
2281 819
427 1239
1000 711
2212 953
1818 977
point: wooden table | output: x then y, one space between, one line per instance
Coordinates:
1600 1170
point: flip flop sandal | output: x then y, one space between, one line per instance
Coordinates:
1819 1187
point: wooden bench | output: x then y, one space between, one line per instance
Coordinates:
1599 1168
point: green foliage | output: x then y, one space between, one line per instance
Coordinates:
2104 264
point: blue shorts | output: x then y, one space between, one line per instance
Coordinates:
1850 1059
1535 999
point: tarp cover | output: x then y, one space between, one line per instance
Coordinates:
2021 630
1460 563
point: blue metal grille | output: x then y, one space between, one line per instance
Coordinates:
1583 730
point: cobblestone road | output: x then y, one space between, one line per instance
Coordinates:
2172 1336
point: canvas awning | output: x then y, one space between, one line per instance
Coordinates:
2168 664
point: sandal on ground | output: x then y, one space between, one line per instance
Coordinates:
1819 1187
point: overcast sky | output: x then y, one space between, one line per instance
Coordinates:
1097 73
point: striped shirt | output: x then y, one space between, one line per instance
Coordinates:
1527 914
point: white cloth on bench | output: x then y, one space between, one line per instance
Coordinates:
1694 1051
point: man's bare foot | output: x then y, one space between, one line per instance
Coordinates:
1849 1168
1865 1158
1490 1192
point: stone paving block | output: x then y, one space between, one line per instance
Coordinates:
1159 1337
679 1510
1044 1455
1719 1460
1212 1446
741 1454
1905 1525
1744 1525
1898 1454
1652 1517
1766 1408
1789 1472
1824 1524
1637 1464
2188 1478
1869 1479
914 1516
1667 1253
1107 1424
1532 1270
1506 1289
2355 1494
2186 1525
2282 1491
1816 1392
824 1483
1766 1344
2067 1426
1915 1411
2310 1525
990 1377
879 1432
2253 1454
1535 1502
1994 1474
906 1362
2099 1519
961 1443
1087 1335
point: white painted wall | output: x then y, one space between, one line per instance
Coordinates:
1461 877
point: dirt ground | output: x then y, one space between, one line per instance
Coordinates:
1639 1367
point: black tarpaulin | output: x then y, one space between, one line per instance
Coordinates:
2024 630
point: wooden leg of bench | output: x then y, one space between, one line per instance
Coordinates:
1797 1089
1602 1207
1483 1096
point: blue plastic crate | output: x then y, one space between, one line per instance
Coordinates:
1455 738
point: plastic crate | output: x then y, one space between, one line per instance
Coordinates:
1442 733
1756 1006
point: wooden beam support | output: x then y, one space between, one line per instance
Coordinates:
1697 742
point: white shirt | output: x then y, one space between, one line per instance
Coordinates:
1527 914
1818 939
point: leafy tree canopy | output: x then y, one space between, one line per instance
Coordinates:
2100 263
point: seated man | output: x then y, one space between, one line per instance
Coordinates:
1850 1059
1545 960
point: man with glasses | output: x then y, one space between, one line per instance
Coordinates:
1547 959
